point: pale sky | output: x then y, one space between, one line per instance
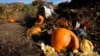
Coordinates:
30 1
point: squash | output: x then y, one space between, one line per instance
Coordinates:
64 23
40 21
63 38
12 20
86 46
33 31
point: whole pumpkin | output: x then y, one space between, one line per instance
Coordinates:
63 38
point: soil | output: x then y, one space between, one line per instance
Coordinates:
14 42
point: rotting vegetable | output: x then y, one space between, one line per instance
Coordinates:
62 38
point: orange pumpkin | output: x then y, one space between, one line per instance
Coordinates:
62 38
12 20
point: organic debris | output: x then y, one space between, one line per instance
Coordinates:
48 50
34 31
86 46
63 38
32 22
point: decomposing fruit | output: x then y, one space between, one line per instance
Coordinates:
36 29
48 50
63 38
64 23
40 21
12 20
33 31
86 46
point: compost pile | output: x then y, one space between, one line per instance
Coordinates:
15 42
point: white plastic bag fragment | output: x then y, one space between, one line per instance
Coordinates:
48 11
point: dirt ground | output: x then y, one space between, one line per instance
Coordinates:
14 42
